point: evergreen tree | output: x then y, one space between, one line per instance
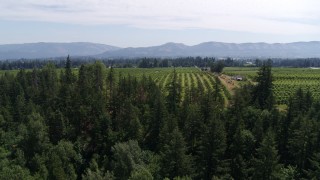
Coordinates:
68 71
67 95
158 113
266 162
301 142
110 83
94 127
57 126
63 161
263 94
193 127
217 67
93 172
35 135
173 98
10 170
314 171
130 161
241 154
175 161
141 174
212 150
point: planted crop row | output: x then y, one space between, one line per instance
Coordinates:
188 78
285 80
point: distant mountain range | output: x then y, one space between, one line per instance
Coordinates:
49 50
209 49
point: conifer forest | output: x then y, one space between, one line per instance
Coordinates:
95 123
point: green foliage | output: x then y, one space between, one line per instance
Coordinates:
212 149
314 171
285 80
132 162
266 162
10 170
173 98
288 173
35 135
141 174
242 150
217 67
302 139
62 161
182 178
15 173
95 123
175 160
263 94
95 173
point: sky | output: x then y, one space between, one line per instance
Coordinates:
138 23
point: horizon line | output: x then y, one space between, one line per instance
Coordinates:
71 42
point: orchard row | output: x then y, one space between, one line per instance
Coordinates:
285 80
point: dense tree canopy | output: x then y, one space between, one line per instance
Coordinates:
93 124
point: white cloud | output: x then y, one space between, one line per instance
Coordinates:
259 16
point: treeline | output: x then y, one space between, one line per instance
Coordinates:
158 62
308 62
92 126
117 63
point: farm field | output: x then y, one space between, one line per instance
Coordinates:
285 80
187 77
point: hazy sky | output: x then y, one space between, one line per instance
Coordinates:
152 22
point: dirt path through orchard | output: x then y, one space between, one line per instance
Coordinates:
229 83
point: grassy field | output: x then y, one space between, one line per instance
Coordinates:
285 80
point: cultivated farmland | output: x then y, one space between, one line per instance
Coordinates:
285 80
187 77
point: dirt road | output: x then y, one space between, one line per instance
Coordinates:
229 83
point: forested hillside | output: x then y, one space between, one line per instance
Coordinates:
91 125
